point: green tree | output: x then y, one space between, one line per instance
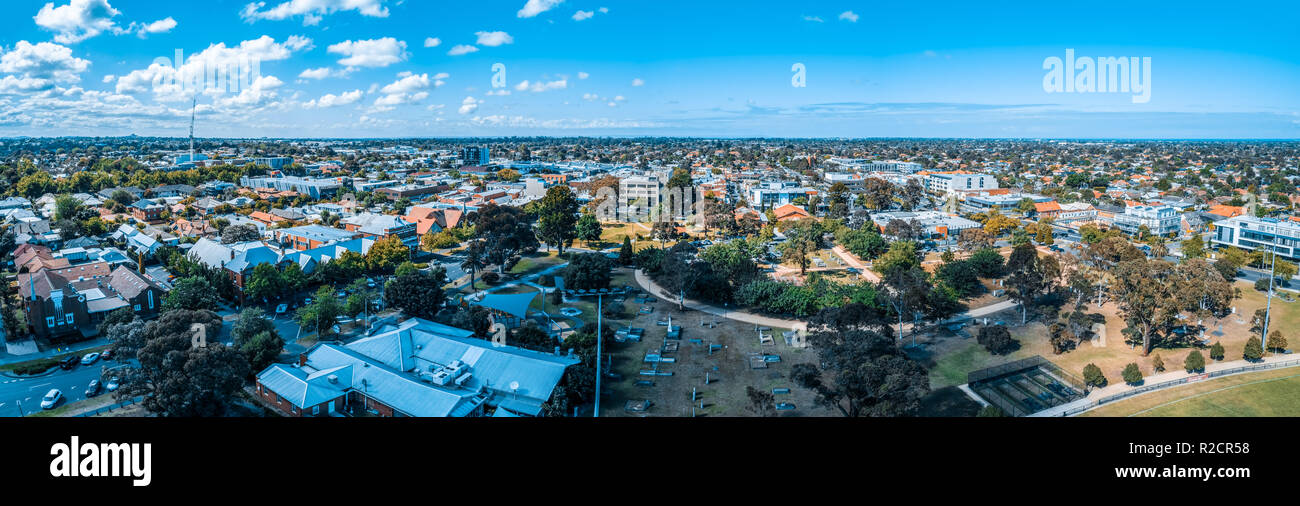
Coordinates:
588 229
1276 341
1093 377
1194 362
626 255
264 282
861 372
1193 247
996 339
192 293
557 217
178 379
386 254
1253 351
1157 363
250 322
587 271
417 294
321 313
262 349
1132 375
803 238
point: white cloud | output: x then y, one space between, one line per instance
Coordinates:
638 82
40 66
409 88
494 39
468 105
540 86
161 26
603 10
312 10
109 78
849 16
583 75
331 100
320 73
78 20
171 83
370 53
535 7
432 42
258 94
814 19
498 92
461 49
590 97
583 15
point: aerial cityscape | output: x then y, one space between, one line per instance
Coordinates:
322 208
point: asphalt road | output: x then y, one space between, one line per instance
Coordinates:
25 394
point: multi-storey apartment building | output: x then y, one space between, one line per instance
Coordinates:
1250 233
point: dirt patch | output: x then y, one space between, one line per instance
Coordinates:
728 367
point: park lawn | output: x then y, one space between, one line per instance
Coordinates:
1266 393
535 263
1286 315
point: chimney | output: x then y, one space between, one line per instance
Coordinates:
302 359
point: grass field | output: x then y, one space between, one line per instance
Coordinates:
1267 393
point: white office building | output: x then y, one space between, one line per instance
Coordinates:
1251 233
1159 220
942 183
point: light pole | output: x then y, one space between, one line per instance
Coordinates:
600 295
1268 307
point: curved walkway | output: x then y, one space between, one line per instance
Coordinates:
653 288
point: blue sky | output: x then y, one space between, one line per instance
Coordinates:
363 68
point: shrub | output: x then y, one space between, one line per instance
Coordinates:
1261 284
996 339
1132 375
490 278
1093 377
1157 363
1276 341
1216 351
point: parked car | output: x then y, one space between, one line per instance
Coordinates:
280 309
93 388
51 398
90 358
111 384
69 362
106 355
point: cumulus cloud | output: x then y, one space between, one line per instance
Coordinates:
409 88
370 53
814 19
461 49
849 16
469 105
535 7
331 100
583 75
312 11
494 39
40 66
319 73
638 82
82 19
168 82
432 42
540 86
583 15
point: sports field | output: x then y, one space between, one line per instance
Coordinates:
1267 393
